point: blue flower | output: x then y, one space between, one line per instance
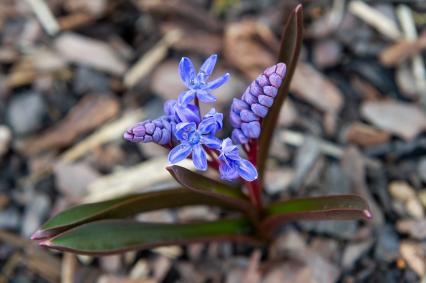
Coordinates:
212 122
232 165
192 141
182 113
197 83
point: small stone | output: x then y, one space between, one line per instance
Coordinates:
401 191
416 229
10 219
25 112
422 169
278 180
422 197
288 113
73 179
35 212
192 213
165 80
5 138
355 251
161 216
409 122
87 80
111 263
327 53
84 50
140 270
365 136
336 228
387 244
415 255
414 208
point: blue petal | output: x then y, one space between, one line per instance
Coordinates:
179 153
184 129
209 125
186 71
205 96
217 82
215 121
186 96
228 172
199 157
188 113
208 66
229 149
211 141
247 170
169 107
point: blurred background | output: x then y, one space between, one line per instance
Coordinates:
74 74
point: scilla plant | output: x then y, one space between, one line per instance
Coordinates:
104 227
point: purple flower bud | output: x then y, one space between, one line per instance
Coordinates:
270 91
259 110
281 70
238 105
246 114
262 80
249 98
251 130
159 131
238 137
270 70
255 89
275 80
265 100
235 120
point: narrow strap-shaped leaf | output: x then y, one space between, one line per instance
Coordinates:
338 207
123 207
114 236
291 43
212 188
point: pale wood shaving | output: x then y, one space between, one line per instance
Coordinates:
150 59
376 19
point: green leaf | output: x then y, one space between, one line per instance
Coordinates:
291 42
122 207
339 207
114 236
214 189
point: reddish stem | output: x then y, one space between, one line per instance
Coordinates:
214 162
254 187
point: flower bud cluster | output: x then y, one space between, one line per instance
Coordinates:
247 112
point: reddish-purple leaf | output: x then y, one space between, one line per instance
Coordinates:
214 189
291 43
122 207
338 207
116 236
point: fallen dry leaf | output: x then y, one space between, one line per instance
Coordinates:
311 86
415 255
404 119
365 135
89 113
244 50
88 51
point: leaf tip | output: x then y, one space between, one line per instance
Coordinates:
367 214
39 235
46 243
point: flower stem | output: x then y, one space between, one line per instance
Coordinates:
214 162
254 187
